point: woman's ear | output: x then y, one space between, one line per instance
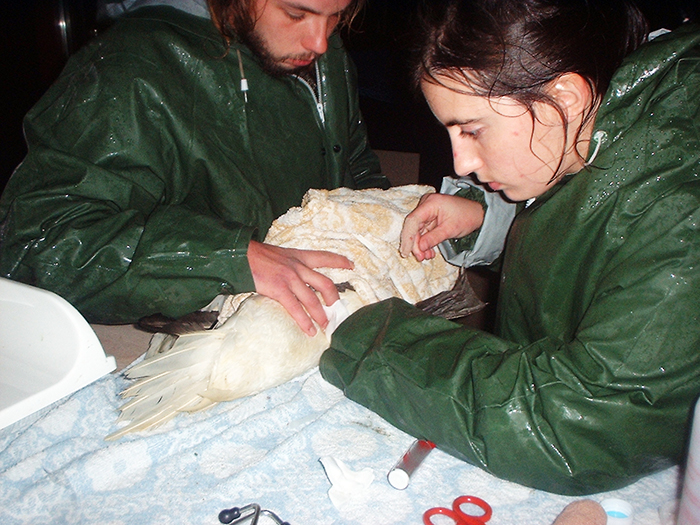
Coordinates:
573 95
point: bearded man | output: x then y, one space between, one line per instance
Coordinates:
158 160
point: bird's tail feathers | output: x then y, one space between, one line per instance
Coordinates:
189 350
169 383
160 414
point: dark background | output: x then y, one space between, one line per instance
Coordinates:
37 36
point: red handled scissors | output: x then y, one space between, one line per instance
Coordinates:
458 515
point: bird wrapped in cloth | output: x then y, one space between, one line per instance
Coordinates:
255 344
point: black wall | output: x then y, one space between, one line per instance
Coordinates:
33 50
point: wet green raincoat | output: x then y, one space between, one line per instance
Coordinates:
589 381
148 172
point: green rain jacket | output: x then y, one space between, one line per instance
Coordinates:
148 173
590 378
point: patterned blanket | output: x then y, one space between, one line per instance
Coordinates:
56 467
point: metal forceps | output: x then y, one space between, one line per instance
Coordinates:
458 515
250 512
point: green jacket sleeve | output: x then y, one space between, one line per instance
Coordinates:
104 209
467 242
484 246
539 415
103 235
573 414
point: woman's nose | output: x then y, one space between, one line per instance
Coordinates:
466 160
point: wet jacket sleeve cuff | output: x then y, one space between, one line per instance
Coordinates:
484 245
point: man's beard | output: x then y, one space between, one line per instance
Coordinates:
273 65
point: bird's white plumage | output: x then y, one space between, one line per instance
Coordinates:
256 344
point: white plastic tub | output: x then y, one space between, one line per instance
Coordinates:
47 350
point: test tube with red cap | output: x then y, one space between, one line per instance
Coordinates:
400 475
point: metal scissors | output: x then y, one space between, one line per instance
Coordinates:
250 512
458 515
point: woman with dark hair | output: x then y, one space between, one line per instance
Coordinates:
579 141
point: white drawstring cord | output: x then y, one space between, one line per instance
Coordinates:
599 137
244 80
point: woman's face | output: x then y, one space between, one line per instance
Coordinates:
498 141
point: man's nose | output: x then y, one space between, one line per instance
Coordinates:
316 38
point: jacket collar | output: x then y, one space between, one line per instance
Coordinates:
115 8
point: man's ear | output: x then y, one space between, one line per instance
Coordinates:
572 93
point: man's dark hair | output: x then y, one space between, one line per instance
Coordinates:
235 19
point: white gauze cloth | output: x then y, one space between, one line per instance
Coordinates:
365 226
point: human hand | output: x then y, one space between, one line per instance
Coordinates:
286 275
437 218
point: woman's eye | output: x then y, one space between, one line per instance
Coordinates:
470 133
295 16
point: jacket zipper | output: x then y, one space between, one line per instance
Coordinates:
316 96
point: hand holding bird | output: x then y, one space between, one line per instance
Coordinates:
256 344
